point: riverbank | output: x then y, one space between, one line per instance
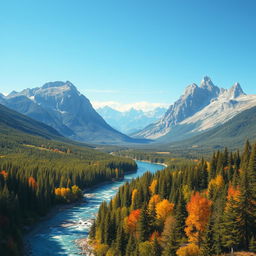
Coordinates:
59 207
64 226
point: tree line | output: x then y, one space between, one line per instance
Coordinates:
36 174
208 208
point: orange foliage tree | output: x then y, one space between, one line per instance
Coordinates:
131 221
199 210
233 193
32 182
163 209
4 173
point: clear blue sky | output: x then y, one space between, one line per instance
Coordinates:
128 51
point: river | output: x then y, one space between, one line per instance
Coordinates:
57 235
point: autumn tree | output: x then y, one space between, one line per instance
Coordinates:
199 210
163 209
32 182
189 250
131 221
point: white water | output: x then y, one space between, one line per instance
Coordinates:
57 235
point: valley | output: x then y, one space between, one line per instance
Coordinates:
62 232
68 158
128 128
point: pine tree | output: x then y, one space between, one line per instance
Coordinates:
213 168
171 247
180 216
246 155
120 240
231 232
207 246
156 247
247 209
252 245
143 224
131 246
217 216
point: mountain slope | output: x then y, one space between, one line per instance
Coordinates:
62 106
132 120
233 133
12 122
193 100
196 112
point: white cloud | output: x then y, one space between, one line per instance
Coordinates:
143 105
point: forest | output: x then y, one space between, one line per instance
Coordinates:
37 173
206 208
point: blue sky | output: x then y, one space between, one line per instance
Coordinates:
128 51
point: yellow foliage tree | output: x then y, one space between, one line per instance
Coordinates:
152 187
189 250
163 209
186 192
76 192
134 195
154 200
217 183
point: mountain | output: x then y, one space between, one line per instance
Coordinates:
132 120
199 109
12 122
62 106
233 133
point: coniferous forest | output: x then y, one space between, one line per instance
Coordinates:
37 174
208 208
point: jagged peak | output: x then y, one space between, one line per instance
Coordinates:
60 87
58 84
190 89
236 90
206 82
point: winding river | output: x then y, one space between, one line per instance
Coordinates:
57 235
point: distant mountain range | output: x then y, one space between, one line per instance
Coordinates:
132 120
199 109
61 106
201 116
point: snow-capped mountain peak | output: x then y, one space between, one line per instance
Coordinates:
199 109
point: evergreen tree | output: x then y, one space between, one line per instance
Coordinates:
143 224
131 246
246 155
231 232
252 245
207 246
180 216
120 240
156 247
